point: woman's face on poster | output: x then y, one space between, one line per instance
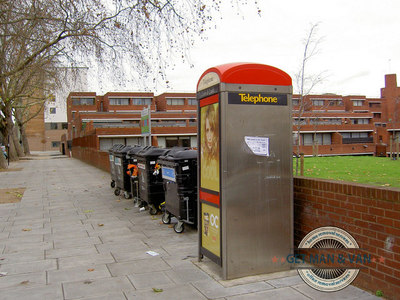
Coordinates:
209 135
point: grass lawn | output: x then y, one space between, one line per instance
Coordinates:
380 171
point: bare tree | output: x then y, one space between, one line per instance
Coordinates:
306 82
38 35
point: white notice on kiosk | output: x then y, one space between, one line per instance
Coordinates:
259 145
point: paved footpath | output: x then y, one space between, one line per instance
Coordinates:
71 238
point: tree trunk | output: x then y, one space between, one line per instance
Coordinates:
8 136
25 142
17 144
3 161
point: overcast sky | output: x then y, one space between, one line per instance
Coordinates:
361 43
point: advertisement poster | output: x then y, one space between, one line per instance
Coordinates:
145 122
209 147
210 229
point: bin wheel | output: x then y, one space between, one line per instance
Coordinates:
166 218
117 191
179 227
112 184
152 210
127 195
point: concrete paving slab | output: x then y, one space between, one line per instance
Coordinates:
348 293
72 243
71 252
78 274
96 287
170 292
176 261
110 296
121 246
285 281
43 292
211 289
24 246
110 232
150 280
285 293
85 260
65 235
67 227
23 280
130 255
29 267
133 236
29 255
153 264
33 238
4 235
186 274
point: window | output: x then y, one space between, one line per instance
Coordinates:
318 139
141 101
119 101
53 126
177 141
335 102
354 135
297 121
192 101
358 102
52 110
55 144
175 101
377 115
82 101
359 121
374 105
295 101
105 144
318 102
64 125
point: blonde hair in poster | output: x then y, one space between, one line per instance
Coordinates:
210 147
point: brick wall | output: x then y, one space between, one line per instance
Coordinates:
92 157
370 214
85 149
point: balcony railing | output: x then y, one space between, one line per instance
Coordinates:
357 140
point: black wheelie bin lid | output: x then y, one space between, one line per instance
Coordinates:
135 150
180 155
152 152
121 152
115 147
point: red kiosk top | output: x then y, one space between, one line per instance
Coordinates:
245 73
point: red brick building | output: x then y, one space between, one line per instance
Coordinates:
333 124
115 118
325 124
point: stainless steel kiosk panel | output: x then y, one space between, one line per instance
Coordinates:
245 168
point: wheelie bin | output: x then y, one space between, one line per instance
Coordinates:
151 190
133 171
112 165
122 179
179 173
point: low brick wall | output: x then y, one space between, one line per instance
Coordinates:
92 156
370 214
